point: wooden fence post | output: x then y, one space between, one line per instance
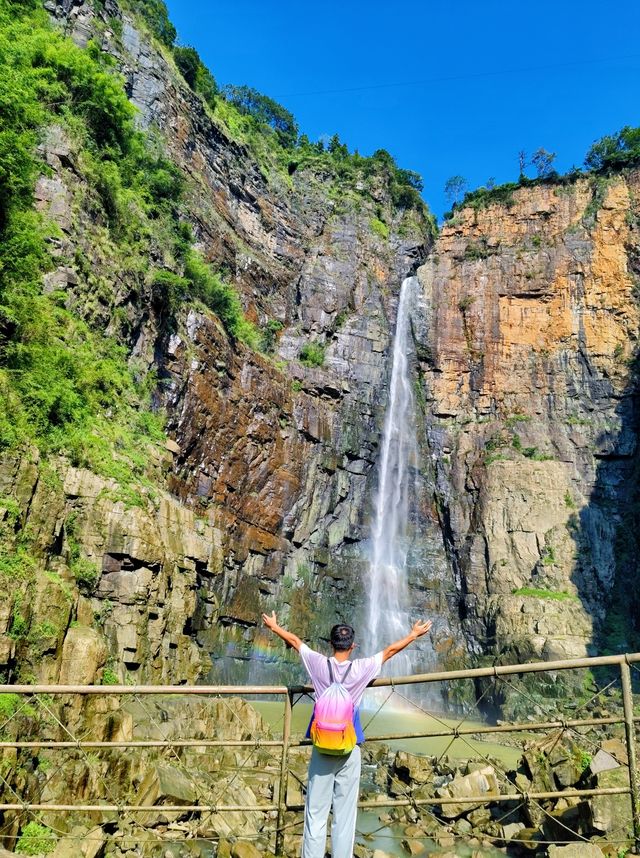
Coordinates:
284 774
630 733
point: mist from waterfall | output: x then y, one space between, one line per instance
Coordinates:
388 595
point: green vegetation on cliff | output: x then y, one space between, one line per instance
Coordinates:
614 151
66 386
57 376
271 131
610 154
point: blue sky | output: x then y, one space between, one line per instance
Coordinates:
447 88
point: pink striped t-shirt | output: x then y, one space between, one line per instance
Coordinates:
360 675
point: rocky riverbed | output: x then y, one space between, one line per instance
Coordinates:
429 813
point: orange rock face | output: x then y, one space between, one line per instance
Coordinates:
531 322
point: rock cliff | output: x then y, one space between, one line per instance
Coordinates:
261 499
529 341
525 339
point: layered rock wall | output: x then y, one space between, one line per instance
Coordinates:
263 496
530 337
525 339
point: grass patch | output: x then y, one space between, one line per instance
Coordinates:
109 677
9 705
86 574
312 354
513 419
17 564
495 457
543 593
478 250
466 303
36 839
379 228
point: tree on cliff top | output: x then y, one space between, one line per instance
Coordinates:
156 16
543 162
454 188
195 73
614 150
265 110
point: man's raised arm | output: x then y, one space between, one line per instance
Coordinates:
419 628
288 637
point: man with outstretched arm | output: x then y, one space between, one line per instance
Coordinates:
335 780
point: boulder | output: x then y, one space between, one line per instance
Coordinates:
576 850
610 812
244 849
92 845
164 783
567 765
480 783
603 762
83 654
413 768
528 838
511 831
617 749
576 817
413 847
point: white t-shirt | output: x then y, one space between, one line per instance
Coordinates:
360 675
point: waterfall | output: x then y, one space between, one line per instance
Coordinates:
388 617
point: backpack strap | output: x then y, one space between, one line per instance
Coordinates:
331 679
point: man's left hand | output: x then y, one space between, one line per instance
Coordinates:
270 621
421 627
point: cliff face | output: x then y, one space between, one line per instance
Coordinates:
525 336
262 497
531 331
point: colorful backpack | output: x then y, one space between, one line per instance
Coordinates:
332 729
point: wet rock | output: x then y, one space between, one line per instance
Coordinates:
413 847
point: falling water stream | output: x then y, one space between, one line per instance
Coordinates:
388 616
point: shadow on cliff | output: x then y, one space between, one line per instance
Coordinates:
615 603
607 532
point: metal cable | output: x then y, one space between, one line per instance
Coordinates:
504 776
86 757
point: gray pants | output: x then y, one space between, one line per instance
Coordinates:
333 781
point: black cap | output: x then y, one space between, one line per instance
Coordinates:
342 637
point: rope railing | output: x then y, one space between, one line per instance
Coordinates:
207 804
